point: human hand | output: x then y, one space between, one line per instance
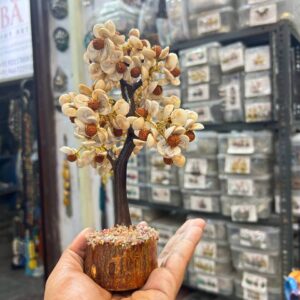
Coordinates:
68 281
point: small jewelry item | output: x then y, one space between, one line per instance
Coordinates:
60 80
59 9
61 38
66 175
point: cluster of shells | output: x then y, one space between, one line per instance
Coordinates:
102 122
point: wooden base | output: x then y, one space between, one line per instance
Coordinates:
121 268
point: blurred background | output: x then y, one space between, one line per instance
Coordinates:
240 71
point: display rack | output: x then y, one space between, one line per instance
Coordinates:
285 52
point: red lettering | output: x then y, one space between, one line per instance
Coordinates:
4 16
16 12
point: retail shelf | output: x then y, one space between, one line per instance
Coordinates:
9 190
273 220
242 126
260 34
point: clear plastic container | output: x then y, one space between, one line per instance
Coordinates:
203 165
255 164
246 209
215 230
268 12
205 54
257 59
258 84
296 202
147 214
196 6
213 250
203 74
232 57
200 182
201 201
138 192
209 112
166 195
232 91
166 227
163 176
260 237
296 149
266 262
246 142
258 109
206 142
218 284
249 186
296 177
210 266
270 294
136 176
200 92
212 21
176 12
256 281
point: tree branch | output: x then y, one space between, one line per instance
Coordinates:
111 160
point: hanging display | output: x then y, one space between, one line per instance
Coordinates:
61 39
59 9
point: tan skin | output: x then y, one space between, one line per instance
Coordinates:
68 282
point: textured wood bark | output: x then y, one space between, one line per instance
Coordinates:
121 269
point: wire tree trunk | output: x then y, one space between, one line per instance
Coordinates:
121 207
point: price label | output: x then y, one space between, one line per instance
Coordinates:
133 192
264 14
196 166
194 181
244 213
260 86
132 176
256 261
255 283
240 187
253 238
208 23
237 165
161 195
240 145
198 93
205 265
198 75
201 203
196 57
207 283
207 249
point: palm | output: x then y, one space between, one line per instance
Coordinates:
67 281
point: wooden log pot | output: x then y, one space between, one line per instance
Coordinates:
121 258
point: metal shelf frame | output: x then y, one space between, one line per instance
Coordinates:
284 42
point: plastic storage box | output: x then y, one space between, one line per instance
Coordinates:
138 192
209 112
255 260
257 59
296 202
255 164
196 6
213 250
147 214
246 209
250 186
258 84
232 57
201 201
215 230
201 182
201 165
201 92
206 142
203 74
175 91
136 176
166 194
209 266
270 293
232 92
219 284
163 176
296 150
296 177
212 21
205 54
260 237
267 12
246 142
258 109
166 228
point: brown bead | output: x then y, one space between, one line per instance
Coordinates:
191 135
72 119
71 157
94 104
173 140
135 72
90 130
98 44
175 72
117 132
158 90
121 67
143 134
142 112
99 158
102 123
168 161
157 50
